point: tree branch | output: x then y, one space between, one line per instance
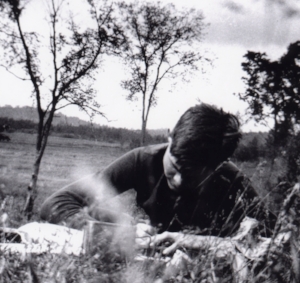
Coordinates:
54 47
23 79
28 62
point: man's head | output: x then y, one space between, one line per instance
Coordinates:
203 137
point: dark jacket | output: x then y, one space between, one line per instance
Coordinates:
216 208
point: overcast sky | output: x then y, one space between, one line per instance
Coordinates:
234 27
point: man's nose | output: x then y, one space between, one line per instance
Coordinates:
177 179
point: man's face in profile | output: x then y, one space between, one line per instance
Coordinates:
173 173
172 169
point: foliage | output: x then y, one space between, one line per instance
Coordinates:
163 43
251 148
75 54
289 154
18 124
292 155
273 89
125 137
4 138
249 152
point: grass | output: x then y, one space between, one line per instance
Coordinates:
64 161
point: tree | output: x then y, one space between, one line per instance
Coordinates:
162 43
75 54
293 158
254 149
273 90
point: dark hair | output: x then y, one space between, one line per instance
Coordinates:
204 135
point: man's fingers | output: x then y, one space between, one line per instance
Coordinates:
170 249
159 238
153 241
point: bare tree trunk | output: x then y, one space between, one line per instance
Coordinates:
145 116
143 134
43 134
32 189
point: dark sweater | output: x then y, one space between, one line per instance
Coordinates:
216 208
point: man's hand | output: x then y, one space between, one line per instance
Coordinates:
176 238
144 234
146 238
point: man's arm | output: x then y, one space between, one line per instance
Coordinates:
91 190
188 241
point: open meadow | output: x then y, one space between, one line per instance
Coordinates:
68 159
65 160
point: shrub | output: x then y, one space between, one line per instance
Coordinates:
292 155
68 135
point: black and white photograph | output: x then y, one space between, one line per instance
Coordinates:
146 141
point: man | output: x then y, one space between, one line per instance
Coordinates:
185 183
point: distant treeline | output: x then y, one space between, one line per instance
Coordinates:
131 138
106 134
252 146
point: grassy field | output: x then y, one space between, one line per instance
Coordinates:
66 160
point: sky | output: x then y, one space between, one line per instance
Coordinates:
234 27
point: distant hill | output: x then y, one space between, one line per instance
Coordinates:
30 113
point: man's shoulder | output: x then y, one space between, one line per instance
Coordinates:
150 157
156 148
152 149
